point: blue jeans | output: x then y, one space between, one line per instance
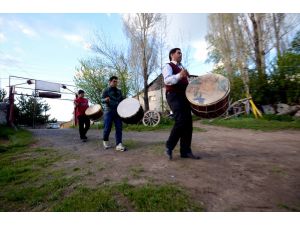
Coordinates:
110 117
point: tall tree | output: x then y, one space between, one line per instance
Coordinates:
92 76
141 30
114 58
240 41
257 20
162 35
2 94
30 111
285 81
278 19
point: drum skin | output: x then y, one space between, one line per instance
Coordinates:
94 112
130 111
208 95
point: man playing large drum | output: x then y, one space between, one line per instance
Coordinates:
111 97
176 81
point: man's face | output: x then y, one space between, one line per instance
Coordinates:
113 83
177 56
81 95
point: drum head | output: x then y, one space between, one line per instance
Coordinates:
92 109
128 107
207 89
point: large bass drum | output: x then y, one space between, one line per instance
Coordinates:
208 95
94 112
130 111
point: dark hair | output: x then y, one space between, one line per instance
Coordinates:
80 92
113 78
172 51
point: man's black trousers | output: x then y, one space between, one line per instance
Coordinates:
183 127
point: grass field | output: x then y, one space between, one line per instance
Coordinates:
29 181
267 123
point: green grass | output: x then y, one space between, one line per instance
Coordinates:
268 123
89 200
289 208
30 181
11 139
198 129
122 197
130 144
25 180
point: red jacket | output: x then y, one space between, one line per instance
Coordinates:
82 105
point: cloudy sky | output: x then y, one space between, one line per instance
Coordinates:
47 46
44 39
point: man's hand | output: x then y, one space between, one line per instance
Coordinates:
184 73
107 99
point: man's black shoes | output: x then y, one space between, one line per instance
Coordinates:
190 156
169 153
84 139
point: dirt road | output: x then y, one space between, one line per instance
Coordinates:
240 170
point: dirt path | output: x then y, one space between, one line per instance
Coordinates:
241 170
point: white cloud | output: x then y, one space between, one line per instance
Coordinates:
73 38
2 37
25 29
186 27
77 39
200 48
87 46
9 60
19 50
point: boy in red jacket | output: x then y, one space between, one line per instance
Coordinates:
81 104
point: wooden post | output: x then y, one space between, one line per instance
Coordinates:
74 114
11 106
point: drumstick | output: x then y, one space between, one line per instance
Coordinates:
65 87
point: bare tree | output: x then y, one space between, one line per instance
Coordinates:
162 35
238 40
141 30
114 58
278 19
219 38
257 20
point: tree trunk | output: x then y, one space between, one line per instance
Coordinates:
258 45
276 32
256 38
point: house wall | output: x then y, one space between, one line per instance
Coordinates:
154 100
154 95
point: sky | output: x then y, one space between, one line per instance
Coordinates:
48 46
45 39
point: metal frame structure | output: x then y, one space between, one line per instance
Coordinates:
35 93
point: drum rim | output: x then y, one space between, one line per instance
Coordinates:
212 111
118 111
212 103
89 114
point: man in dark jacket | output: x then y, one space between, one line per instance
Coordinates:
111 97
176 81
